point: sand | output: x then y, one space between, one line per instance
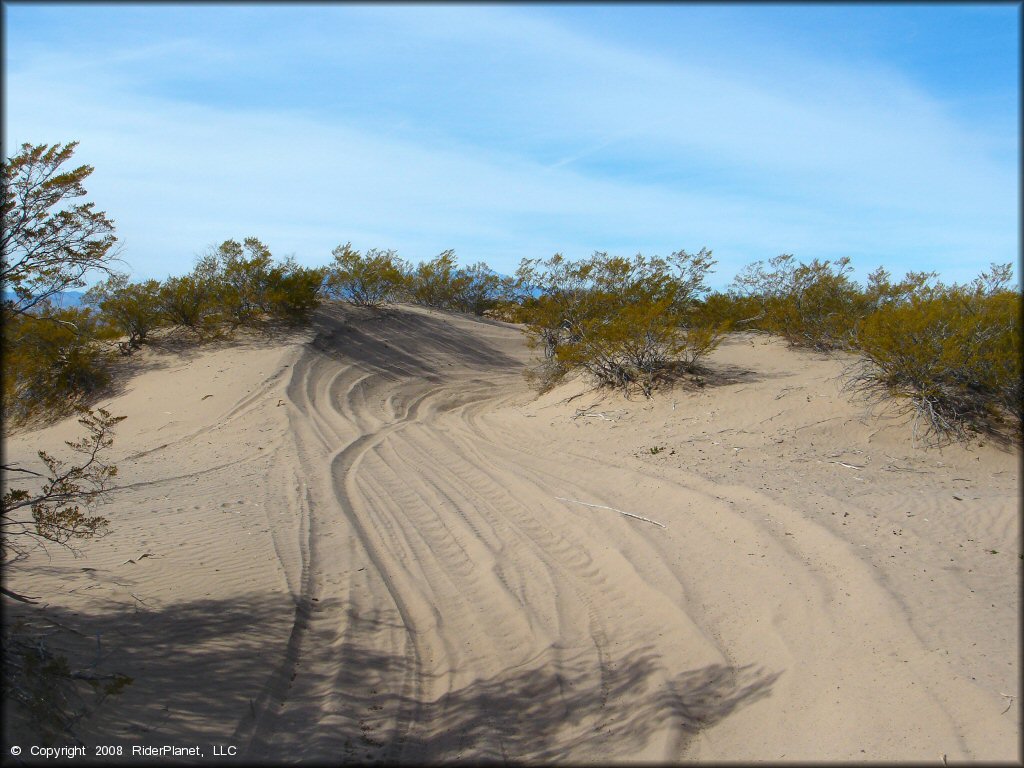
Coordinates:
373 540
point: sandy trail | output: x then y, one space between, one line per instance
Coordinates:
403 579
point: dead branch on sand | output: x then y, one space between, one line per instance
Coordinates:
613 509
844 464
585 413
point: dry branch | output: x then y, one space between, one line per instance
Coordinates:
585 412
844 464
613 509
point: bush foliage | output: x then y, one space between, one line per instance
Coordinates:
627 322
130 309
953 352
189 302
438 283
48 245
369 280
52 360
54 511
813 305
55 358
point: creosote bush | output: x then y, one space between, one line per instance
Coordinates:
248 286
52 360
481 289
189 302
812 305
48 244
56 505
953 352
624 321
53 512
131 309
367 280
246 275
296 291
437 283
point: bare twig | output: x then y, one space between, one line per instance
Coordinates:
1009 703
585 412
613 509
844 464
15 596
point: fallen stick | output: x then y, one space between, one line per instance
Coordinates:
613 509
1009 704
20 598
586 412
844 464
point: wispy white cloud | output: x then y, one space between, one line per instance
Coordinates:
553 141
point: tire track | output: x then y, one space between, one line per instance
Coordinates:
483 572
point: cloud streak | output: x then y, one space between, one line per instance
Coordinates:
505 135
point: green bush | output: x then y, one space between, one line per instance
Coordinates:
954 352
624 321
51 361
246 276
480 289
812 305
729 310
48 243
131 309
250 286
437 283
295 292
189 302
369 281
441 284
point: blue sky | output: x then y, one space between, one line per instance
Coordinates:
884 133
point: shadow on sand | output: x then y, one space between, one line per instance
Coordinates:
204 674
403 343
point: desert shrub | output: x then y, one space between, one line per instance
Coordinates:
249 285
246 275
881 292
437 283
812 305
189 302
131 309
507 311
47 244
41 690
730 310
624 321
53 511
52 359
557 289
368 280
295 291
480 289
954 352
508 300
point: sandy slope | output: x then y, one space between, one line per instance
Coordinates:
373 541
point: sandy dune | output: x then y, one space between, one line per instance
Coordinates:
374 541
